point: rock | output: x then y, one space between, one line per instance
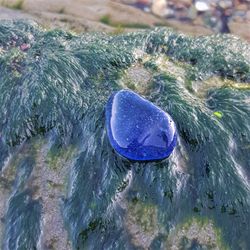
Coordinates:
137 78
225 4
239 28
142 223
137 129
79 15
159 7
192 12
202 6
242 7
248 15
128 1
186 3
201 233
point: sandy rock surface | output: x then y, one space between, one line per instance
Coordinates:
77 15
87 15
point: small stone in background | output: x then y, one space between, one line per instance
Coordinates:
202 6
248 15
159 7
225 4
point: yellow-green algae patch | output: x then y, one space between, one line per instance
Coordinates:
199 230
239 86
174 69
201 88
142 223
57 157
48 186
137 78
30 148
218 114
181 71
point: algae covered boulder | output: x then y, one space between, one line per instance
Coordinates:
62 186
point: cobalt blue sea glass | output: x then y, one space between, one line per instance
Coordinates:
137 129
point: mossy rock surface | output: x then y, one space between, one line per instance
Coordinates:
63 186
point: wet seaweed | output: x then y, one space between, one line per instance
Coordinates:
59 85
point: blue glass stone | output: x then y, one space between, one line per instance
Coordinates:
137 129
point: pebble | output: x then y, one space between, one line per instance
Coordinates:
137 129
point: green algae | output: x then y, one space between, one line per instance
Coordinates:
19 154
22 209
137 78
144 215
240 86
105 62
53 97
142 223
199 229
18 5
58 155
106 19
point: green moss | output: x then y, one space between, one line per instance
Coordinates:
160 24
32 148
131 85
137 78
58 156
37 144
239 86
119 29
200 229
172 69
151 65
144 215
135 25
84 71
106 19
142 223
18 5
93 205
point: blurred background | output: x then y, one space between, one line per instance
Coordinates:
196 17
